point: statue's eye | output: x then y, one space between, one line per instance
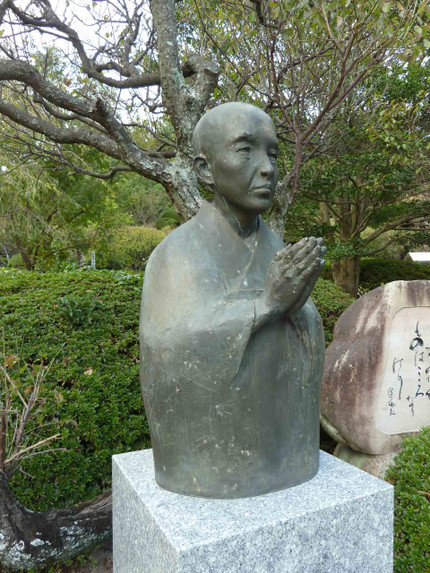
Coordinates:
273 155
245 150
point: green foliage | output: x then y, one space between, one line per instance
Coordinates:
410 474
79 310
303 221
16 262
376 272
46 213
85 324
143 200
367 192
169 218
130 248
331 301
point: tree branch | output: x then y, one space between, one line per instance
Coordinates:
28 75
183 104
393 225
379 249
61 135
60 534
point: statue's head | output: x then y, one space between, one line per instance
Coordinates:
235 149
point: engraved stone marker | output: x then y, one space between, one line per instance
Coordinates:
376 383
404 400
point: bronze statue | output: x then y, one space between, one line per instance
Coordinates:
232 347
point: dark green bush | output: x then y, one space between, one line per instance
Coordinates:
16 262
169 218
86 324
130 248
331 301
376 272
410 474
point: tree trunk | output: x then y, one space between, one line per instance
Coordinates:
26 259
32 540
277 214
346 274
324 212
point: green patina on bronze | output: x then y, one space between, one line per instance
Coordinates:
232 347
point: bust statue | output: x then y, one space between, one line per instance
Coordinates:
232 347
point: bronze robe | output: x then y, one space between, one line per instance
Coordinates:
233 409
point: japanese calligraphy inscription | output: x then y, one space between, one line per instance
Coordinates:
404 400
376 383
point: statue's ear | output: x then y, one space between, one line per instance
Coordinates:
203 170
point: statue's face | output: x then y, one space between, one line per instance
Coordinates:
242 161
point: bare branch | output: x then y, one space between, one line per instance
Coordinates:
377 250
68 116
28 75
12 383
98 175
61 135
32 447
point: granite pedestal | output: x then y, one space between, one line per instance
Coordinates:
341 521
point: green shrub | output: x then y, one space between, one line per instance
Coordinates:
376 272
169 218
130 248
410 474
331 301
16 262
86 324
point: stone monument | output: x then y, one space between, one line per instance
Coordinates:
376 385
232 352
232 347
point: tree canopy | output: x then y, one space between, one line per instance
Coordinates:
132 78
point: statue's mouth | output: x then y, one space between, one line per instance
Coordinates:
263 191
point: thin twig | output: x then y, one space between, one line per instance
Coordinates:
32 447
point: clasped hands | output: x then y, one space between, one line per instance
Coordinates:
292 275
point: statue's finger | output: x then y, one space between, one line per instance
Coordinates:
310 265
306 255
287 254
308 245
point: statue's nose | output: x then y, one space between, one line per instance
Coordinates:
266 167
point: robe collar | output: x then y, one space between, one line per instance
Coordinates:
243 268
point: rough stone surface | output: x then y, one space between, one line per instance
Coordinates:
339 522
376 465
376 383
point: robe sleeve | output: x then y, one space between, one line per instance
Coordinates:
192 328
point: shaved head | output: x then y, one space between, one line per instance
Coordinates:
211 128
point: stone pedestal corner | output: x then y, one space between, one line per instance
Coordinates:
341 521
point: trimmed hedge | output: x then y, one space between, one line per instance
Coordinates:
130 248
331 302
169 218
86 325
410 474
377 272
